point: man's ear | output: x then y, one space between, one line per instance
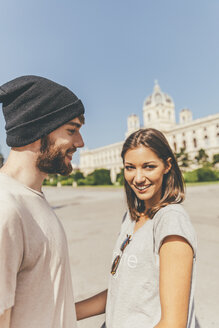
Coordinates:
168 165
36 145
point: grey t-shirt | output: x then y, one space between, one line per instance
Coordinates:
35 278
133 292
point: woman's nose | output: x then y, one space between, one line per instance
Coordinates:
139 177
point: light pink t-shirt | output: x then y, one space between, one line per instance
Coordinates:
35 278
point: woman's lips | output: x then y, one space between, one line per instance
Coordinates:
143 188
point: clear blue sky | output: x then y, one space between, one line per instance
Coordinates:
110 52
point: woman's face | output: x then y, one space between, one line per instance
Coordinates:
144 172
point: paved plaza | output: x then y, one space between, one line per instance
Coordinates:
92 216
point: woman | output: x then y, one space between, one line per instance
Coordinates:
153 271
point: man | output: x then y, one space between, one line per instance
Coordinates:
43 120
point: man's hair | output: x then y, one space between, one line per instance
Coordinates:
81 118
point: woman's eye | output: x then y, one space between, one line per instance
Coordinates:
150 167
129 168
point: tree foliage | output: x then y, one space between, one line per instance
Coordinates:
201 174
101 177
183 158
202 157
215 159
77 175
120 177
97 177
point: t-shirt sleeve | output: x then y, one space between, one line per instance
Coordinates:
11 254
174 222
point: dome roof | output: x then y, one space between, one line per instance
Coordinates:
158 97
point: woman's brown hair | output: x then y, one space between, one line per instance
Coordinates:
173 184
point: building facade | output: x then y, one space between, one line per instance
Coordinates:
159 113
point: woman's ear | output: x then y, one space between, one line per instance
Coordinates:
168 165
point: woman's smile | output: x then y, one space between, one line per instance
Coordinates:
142 188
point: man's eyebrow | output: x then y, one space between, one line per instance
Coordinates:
77 125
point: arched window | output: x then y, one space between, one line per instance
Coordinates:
184 144
174 146
169 115
206 141
149 116
158 115
195 143
217 138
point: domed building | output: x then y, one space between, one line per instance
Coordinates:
159 113
159 110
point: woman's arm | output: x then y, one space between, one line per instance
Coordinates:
92 306
176 259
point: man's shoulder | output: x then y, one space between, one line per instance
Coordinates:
6 193
9 190
8 204
9 215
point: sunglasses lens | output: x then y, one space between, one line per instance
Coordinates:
125 243
118 257
115 264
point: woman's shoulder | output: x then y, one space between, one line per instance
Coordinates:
172 214
173 219
171 209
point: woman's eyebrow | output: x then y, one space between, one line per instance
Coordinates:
150 162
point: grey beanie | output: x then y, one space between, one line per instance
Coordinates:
34 106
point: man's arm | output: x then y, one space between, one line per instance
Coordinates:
92 306
5 319
176 260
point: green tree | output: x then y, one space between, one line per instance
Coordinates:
89 180
99 177
206 174
183 158
215 159
77 175
202 157
120 177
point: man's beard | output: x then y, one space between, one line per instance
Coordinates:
52 159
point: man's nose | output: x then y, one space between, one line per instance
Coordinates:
79 142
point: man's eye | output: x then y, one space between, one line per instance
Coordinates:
71 131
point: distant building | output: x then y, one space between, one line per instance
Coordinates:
159 113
